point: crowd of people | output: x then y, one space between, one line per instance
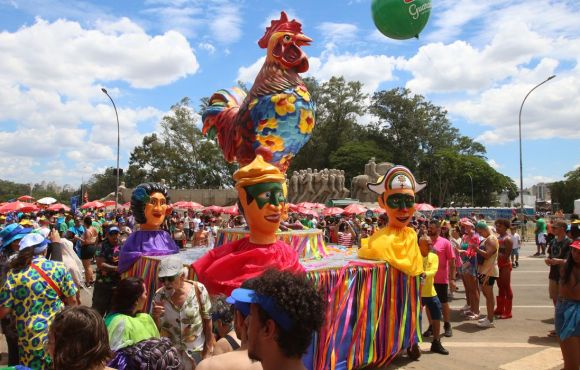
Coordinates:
47 257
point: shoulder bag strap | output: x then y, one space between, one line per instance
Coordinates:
232 342
198 296
48 280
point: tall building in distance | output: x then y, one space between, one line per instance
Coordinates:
542 192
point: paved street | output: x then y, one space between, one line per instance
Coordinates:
518 343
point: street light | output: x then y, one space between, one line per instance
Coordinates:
471 178
520 131
118 145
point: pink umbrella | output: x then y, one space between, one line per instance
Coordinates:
378 210
213 209
231 210
58 207
354 209
424 207
332 211
25 198
187 205
93 204
307 205
306 211
13 207
109 203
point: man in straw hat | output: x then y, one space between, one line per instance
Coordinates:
396 243
262 200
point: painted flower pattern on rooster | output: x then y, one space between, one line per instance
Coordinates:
283 122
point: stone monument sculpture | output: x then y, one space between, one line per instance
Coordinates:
371 175
317 186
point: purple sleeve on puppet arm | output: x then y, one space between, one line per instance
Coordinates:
145 243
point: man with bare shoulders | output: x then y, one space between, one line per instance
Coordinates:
237 359
568 308
285 310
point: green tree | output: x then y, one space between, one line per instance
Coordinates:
338 106
180 154
352 157
102 184
565 192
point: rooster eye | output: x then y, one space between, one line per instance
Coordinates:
287 38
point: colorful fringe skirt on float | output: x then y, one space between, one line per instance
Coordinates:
371 315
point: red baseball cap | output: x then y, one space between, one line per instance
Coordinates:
575 244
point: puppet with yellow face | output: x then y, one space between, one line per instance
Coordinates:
262 199
396 243
149 207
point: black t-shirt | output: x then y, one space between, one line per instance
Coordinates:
558 249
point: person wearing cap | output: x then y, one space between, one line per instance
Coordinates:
35 290
236 359
396 243
10 238
182 312
284 311
149 205
261 198
468 268
568 308
222 316
107 275
487 271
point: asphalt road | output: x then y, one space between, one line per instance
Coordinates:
517 343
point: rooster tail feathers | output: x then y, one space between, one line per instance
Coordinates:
220 116
220 101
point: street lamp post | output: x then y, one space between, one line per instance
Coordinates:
118 145
520 136
471 178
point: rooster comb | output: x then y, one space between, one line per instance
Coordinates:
279 25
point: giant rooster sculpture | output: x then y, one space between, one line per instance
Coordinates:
275 119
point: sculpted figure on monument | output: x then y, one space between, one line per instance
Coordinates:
371 175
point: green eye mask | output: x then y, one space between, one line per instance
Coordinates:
400 201
264 193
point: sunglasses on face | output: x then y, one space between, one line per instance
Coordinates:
167 278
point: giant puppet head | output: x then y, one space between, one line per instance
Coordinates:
396 190
149 205
262 199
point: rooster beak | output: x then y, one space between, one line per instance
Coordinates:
302 40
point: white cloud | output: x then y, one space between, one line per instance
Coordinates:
338 31
219 20
50 80
226 24
371 70
493 164
207 46
550 111
248 74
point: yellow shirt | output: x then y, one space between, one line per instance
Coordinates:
430 265
397 246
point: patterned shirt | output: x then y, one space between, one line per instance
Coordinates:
184 326
34 304
111 255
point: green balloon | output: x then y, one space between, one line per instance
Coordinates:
401 19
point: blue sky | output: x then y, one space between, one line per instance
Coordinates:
478 59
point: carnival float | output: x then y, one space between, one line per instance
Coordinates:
373 295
